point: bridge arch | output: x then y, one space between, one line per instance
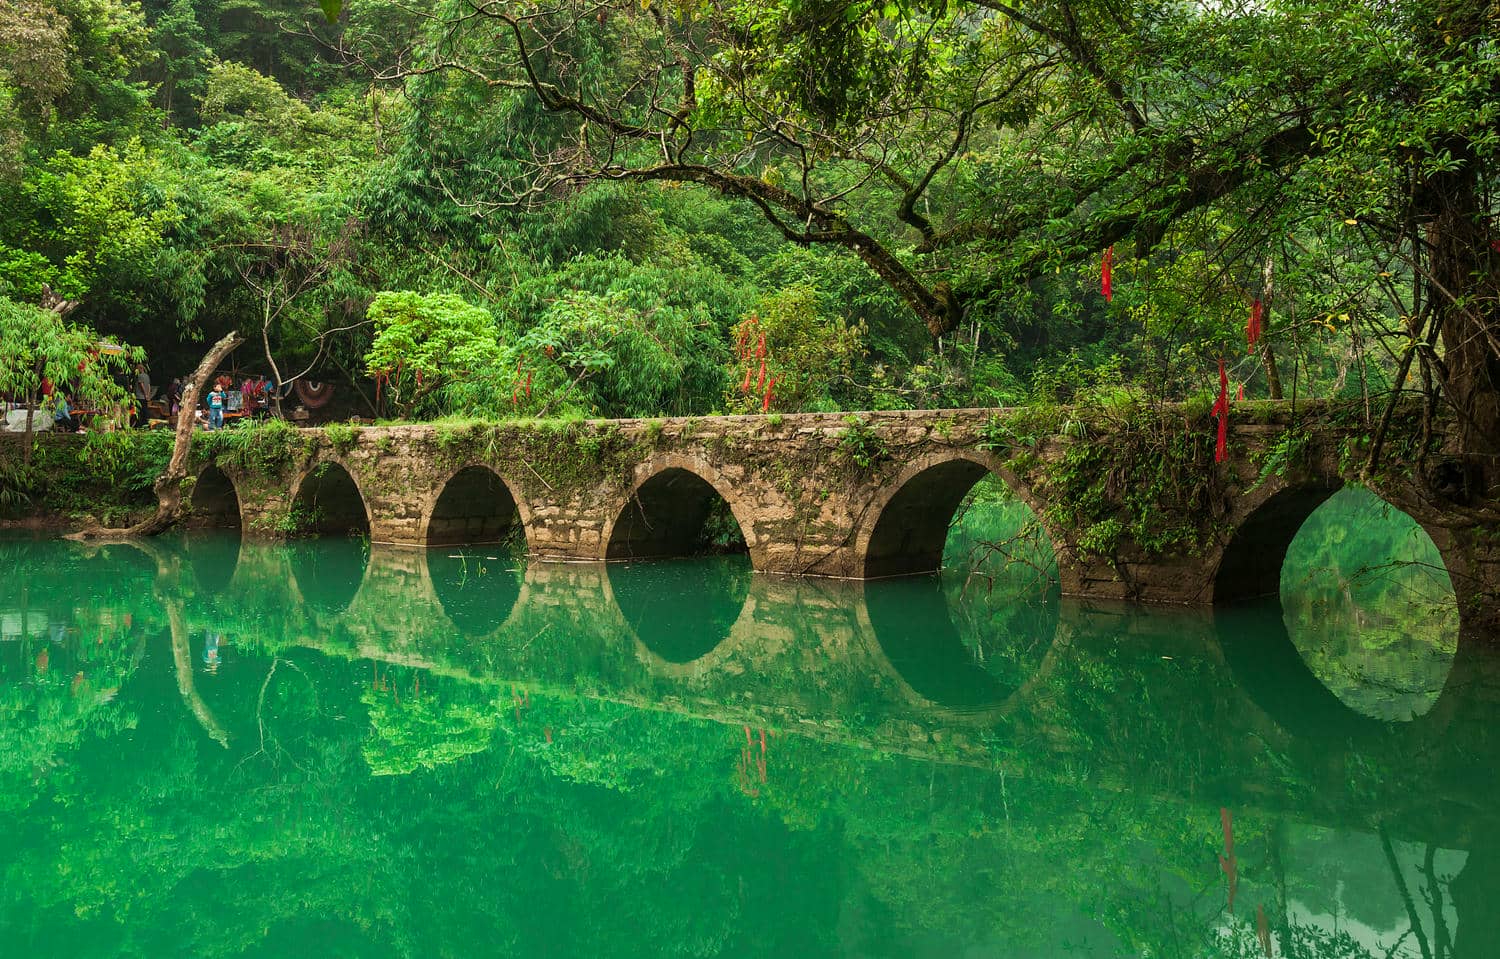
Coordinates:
670 500
1268 520
917 642
474 504
328 501
905 525
215 501
1263 630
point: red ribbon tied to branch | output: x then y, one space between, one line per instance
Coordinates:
1221 410
1253 325
1106 274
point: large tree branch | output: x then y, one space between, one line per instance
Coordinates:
936 306
168 486
1083 51
1196 187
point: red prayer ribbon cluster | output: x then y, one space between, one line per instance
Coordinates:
521 385
764 383
752 767
1221 410
1106 274
1253 324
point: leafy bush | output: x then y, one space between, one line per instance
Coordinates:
860 446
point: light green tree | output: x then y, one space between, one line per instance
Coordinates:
39 347
422 342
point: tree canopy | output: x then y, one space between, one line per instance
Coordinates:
925 189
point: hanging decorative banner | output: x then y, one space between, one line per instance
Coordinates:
1252 325
1106 274
1221 410
313 395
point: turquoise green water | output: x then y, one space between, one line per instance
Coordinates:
216 749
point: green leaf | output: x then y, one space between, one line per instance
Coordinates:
332 9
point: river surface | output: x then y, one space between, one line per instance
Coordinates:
328 749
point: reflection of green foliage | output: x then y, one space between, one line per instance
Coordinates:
431 727
1370 605
61 673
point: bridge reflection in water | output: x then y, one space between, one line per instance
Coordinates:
811 766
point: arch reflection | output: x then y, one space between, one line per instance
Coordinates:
328 571
966 651
213 557
681 609
477 588
1267 666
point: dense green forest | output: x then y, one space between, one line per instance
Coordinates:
627 208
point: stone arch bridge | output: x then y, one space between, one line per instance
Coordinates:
1135 508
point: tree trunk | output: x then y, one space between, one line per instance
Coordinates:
1268 355
1273 375
1462 290
1463 275
26 448
167 575
168 485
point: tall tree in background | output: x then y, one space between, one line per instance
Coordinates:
961 149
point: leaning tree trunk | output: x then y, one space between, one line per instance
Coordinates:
168 486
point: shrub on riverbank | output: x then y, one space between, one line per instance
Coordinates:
105 475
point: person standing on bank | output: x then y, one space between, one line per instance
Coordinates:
216 408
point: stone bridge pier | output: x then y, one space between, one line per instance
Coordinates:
1136 511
